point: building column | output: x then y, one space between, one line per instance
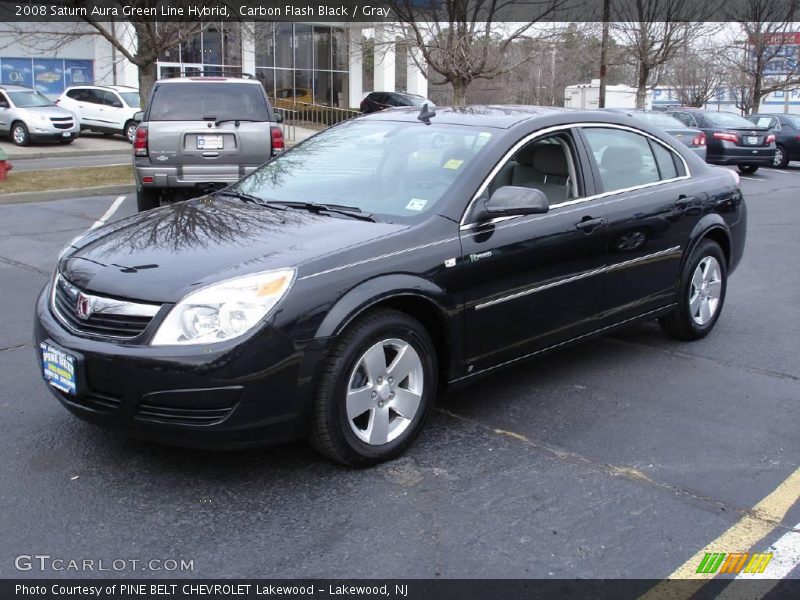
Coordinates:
248 48
384 60
416 83
355 65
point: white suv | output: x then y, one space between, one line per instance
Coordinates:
104 108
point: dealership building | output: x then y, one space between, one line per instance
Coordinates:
323 63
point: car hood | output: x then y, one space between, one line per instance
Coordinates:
162 254
50 111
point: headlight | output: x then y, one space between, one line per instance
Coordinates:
225 310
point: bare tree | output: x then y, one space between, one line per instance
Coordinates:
460 41
654 32
765 61
696 75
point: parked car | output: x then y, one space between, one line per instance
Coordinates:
201 133
730 138
376 101
106 109
333 291
693 138
786 129
29 116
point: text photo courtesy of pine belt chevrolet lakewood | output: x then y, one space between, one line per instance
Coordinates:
332 292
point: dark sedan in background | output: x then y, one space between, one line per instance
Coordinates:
693 138
377 101
730 138
786 129
335 290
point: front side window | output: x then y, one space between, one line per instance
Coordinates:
546 164
395 171
624 159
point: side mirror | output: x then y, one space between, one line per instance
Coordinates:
278 117
138 116
512 201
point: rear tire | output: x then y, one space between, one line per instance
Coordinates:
375 391
702 291
781 158
129 131
147 199
748 169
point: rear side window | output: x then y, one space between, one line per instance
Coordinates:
624 159
199 100
665 160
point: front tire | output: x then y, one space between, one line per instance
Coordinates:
781 158
748 169
20 135
147 199
376 389
702 291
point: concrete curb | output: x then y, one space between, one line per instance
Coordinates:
76 153
47 195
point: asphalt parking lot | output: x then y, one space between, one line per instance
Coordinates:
623 457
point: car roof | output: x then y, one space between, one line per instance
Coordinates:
10 87
92 86
209 79
501 117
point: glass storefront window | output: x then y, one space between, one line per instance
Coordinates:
340 58
212 46
322 87
284 82
233 45
267 79
322 48
191 50
341 89
283 46
302 46
265 44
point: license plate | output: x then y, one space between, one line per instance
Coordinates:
66 134
59 368
752 140
209 142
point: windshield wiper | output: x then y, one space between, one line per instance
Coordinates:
249 198
340 209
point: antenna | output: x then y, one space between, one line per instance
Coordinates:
425 114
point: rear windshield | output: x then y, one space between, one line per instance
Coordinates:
726 119
658 119
198 101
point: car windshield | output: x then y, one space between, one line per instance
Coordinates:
392 170
30 99
201 100
658 119
131 99
726 119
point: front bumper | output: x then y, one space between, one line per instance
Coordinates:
256 391
741 155
46 134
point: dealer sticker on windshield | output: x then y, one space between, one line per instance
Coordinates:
416 204
453 163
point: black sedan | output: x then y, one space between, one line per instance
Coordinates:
730 138
332 293
377 101
786 129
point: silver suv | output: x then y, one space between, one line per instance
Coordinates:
199 134
28 116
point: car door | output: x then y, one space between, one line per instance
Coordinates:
89 104
647 194
5 111
530 282
109 109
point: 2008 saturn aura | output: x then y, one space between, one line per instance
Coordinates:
331 293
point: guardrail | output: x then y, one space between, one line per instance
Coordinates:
289 124
306 114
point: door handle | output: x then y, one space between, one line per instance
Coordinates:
683 201
588 224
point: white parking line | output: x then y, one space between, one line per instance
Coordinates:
751 178
107 215
785 557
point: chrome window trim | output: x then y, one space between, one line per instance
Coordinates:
579 276
530 137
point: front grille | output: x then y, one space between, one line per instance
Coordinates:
63 125
182 416
106 317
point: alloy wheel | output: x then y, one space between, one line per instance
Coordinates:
778 160
705 290
384 391
18 135
130 132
